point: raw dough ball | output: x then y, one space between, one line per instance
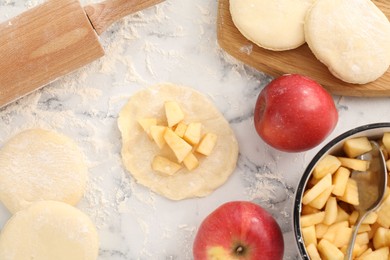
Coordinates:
41 165
352 38
271 24
138 150
49 230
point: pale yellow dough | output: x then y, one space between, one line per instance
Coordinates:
138 150
352 38
39 164
49 230
271 24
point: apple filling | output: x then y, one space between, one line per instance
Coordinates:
328 213
185 140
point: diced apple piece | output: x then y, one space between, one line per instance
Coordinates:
362 238
146 123
191 162
357 146
342 237
165 166
333 230
368 251
328 165
317 189
342 215
179 147
328 251
173 113
320 201
364 228
309 235
321 230
382 253
381 238
339 180
386 141
312 219
157 133
313 252
384 213
351 194
330 211
307 209
370 219
207 144
356 251
193 133
354 164
180 129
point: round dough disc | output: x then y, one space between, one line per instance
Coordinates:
352 38
38 164
138 150
49 230
272 24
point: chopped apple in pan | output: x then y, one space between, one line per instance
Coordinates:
165 166
146 123
353 217
364 228
179 147
180 129
384 213
321 230
317 189
191 162
193 133
207 144
342 215
320 201
343 236
370 219
328 164
351 194
381 238
329 251
312 219
333 230
381 253
157 133
330 211
173 113
307 209
357 146
339 180
313 252
354 164
309 235
362 238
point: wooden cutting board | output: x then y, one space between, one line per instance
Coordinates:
300 60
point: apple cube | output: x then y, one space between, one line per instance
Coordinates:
309 235
382 253
179 147
317 189
357 146
343 236
307 209
354 164
351 194
191 162
328 251
157 133
330 211
173 113
370 218
356 251
180 129
165 166
334 230
339 180
328 164
312 219
381 238
193 133
321 230
313 252
146 123
320 201
386 141
362 238
207 144
342 215
365 253
384 213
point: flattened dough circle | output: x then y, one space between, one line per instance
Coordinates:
352 38
38 164
272 24
138 150
49 230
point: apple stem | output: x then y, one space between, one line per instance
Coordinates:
240 250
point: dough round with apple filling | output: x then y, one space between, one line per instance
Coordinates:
272 24
49 230
138 150
39 164
352 38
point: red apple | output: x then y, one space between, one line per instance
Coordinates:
294 113
239 230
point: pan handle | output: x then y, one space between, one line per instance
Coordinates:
102 15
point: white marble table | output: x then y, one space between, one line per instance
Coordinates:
173 42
